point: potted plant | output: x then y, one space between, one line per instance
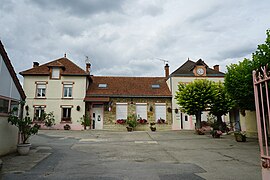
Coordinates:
153 126
131 122
240 136
67 127
49 120
216 133
86 121
26 129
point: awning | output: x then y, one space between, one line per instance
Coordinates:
96 99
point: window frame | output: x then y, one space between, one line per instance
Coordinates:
66 119
9 100
63 89
39 107
160 104
39 83
117 113
144 105
51 73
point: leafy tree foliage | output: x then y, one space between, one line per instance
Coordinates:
221 102
238 79
195 97
239 84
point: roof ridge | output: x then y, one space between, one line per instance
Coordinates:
187 61
161 77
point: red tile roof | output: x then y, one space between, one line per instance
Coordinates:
69 68
128 87
11 71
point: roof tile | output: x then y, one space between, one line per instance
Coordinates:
128 87
69 68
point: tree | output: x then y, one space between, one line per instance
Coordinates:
239 84
221 103
262 55
238 79
195 97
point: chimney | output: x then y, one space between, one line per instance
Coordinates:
167 71
35 64
88 66
216 67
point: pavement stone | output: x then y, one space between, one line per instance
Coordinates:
137 155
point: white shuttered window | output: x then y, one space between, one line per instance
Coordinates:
141 110
160 111
121 111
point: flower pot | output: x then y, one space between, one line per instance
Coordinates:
87 127
129 129
240 137
153 128
23 149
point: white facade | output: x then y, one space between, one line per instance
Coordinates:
57 99
182 120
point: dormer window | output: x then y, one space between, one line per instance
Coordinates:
155 86
55 73
102 85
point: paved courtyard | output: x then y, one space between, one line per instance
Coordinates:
157 155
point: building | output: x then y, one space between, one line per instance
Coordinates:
58 86
187 73
11 93
109 99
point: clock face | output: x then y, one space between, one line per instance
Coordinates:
200 71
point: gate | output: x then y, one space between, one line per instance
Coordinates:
261 80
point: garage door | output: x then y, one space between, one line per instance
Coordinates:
160 111
141 110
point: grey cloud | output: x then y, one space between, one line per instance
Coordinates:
237 51
80 7
153 10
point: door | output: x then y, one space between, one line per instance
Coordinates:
97 116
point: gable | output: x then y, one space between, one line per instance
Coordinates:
67 66
186 70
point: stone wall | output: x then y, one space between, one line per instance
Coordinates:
110 116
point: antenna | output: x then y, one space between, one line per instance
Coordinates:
164 60
87 61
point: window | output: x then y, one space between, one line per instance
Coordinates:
55 73
41 91
121 111
141 110
155 86
67 90
4 104
14 107
39 113
66 113
160 111
102 85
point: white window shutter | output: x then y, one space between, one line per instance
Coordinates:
121 111
141 111
160 111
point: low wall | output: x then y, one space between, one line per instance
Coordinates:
8 137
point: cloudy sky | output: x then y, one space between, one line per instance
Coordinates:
127 37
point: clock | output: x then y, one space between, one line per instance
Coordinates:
200 71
